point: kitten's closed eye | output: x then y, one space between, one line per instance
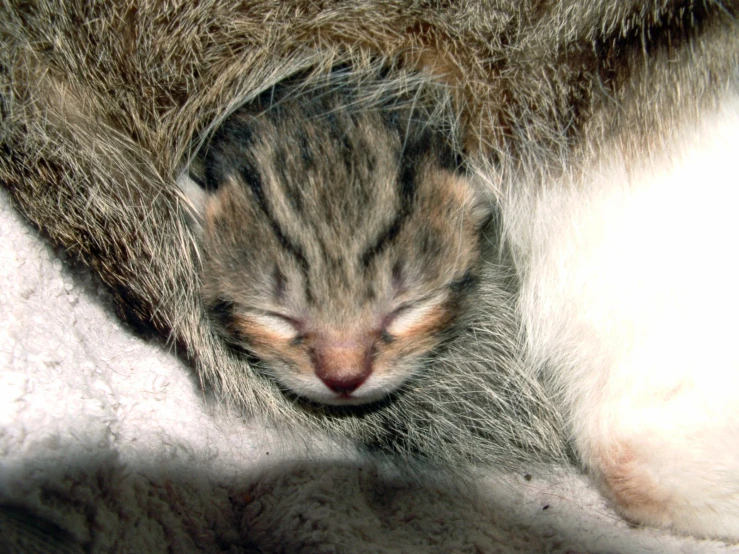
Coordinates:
279 325
410 316
401 322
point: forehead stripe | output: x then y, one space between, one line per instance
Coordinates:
407 192
252 179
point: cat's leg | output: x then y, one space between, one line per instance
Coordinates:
663 438
632 298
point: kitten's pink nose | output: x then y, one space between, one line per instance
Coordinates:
343 385
343 366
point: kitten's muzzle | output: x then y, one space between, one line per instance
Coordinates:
343 365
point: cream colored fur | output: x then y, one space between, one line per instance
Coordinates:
630 301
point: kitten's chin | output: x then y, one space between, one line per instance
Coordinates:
331 398
315 391
338 400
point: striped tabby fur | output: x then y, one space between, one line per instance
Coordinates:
341 242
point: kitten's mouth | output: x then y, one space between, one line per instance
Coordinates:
350 399
345 407
317 392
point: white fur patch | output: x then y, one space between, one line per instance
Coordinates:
631 296
193 192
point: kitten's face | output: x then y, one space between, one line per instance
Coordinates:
340 249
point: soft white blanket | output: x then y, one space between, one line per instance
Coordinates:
108 445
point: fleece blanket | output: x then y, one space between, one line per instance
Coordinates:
107 444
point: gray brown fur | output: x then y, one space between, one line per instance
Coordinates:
100 102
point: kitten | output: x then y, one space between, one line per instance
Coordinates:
340 243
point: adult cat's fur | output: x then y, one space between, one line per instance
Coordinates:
584 117
628 282
630 304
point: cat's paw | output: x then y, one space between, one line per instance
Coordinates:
672 464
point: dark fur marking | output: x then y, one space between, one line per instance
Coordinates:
280 284
465 282
409 160
294 194
238 131
211 181
347 153
252 179
306 155
448 158
397 276
384 239
221 311
243 133
339 135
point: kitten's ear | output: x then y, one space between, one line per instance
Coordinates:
195 198
480 202
483 208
